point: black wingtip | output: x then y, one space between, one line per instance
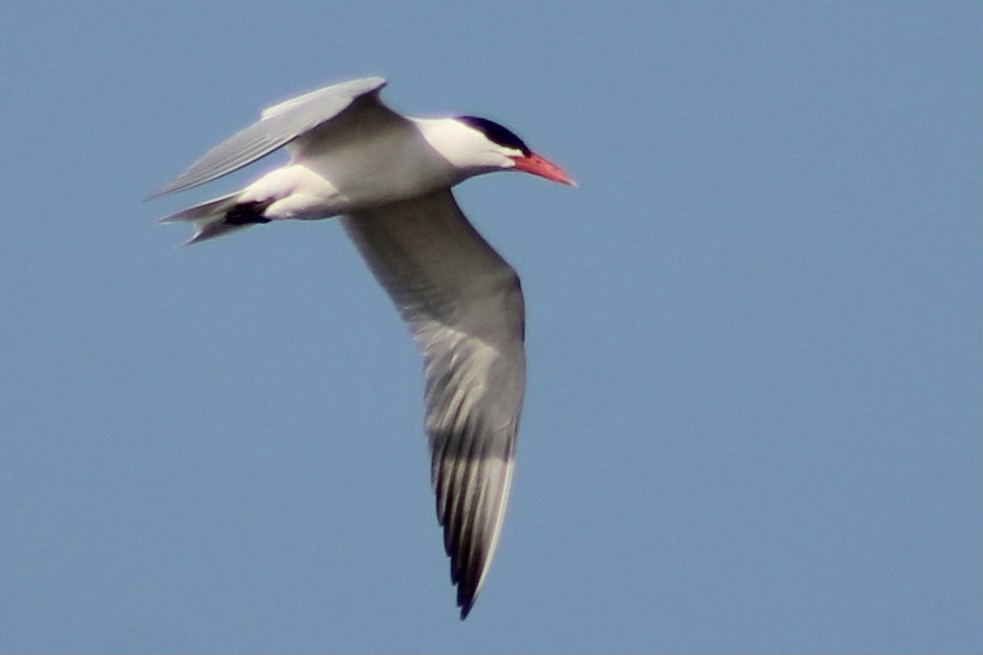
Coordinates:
465 577
467 591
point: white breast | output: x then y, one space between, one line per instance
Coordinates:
374 158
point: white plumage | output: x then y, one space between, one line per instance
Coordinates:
390 177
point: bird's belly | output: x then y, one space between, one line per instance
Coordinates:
390 166
295 192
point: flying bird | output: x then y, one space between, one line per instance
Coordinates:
389 177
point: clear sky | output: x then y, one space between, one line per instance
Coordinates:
753 415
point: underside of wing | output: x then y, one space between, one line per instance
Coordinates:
464 306
279 125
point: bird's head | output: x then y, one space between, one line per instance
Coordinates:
477 145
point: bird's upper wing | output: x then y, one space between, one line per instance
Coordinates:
277 126
464 306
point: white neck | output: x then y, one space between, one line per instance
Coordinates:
464 147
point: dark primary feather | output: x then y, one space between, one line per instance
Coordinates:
464 306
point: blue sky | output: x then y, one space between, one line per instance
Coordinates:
753 418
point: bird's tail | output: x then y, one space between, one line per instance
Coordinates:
220 216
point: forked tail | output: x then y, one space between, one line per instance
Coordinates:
220 216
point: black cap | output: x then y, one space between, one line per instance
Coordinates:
496 133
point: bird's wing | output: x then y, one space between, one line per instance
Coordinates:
464 306
277 126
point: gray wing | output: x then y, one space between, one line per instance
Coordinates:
278 125
464 306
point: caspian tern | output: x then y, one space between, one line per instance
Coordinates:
389 177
